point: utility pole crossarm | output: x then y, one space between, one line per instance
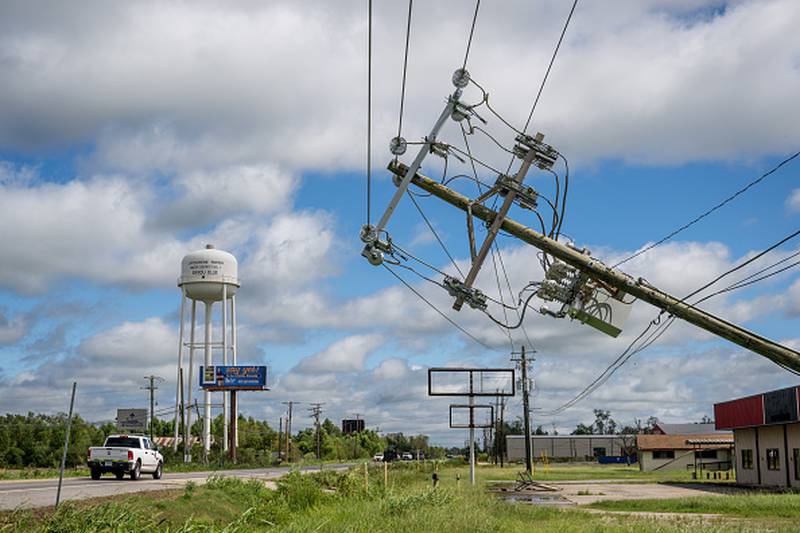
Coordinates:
596 269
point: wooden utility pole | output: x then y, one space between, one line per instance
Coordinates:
526 417
66 444
289 430
280 438
316 410
597 270
152 388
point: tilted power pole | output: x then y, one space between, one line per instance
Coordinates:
596 269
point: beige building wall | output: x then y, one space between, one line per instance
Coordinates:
745 439
771 437
793 439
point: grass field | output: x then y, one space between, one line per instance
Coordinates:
749 505
340 501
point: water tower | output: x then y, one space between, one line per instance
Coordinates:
207 276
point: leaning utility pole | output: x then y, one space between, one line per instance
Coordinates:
316 410
595 269
526 417
152 388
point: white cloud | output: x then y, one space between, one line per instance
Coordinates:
12 329
186 85
207 197
793 201
346 355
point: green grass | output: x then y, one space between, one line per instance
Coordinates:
41 473
339 501
741 505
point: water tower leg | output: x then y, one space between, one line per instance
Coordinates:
178 390
187 429
225 394
207 394
233 353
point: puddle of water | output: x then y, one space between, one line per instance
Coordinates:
538 499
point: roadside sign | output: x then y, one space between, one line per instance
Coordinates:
229 377
132 420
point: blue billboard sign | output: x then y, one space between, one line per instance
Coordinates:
229 377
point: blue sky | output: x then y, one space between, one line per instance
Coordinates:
131 135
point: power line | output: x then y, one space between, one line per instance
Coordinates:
662 328
550 66
471 32
405 70
369 112
432 306
705 214
435 234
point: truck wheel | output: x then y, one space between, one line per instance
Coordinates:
158 471
96 473
136 473
120 474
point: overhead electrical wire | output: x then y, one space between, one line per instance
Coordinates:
471 32
432 306
405 70
369 112
436 235
709 211
550 66
662 327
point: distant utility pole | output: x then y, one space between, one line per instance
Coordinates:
280 438
316 410
66 444
526 416
152 388
289 430
501 433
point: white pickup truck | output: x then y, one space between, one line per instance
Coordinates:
125 454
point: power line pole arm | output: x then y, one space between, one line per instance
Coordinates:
596 269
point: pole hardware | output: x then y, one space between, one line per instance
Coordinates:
526 197
469 295
545 156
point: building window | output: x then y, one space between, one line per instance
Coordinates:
706 454
599 452
796 455
773 459
664 454
747 459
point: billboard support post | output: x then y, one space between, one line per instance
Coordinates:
232 432
468 387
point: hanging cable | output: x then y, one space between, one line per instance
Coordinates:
550 66
471 32
369 112
436 235
708 212
432 306
405 70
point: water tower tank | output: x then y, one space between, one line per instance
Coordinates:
204 272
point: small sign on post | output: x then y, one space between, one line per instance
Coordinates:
131 420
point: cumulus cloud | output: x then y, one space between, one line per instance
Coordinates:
346 355
157 92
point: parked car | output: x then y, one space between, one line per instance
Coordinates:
378 457
125 454
407 457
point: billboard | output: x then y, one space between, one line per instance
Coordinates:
229 377
352 425
131 420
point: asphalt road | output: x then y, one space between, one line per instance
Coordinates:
18 494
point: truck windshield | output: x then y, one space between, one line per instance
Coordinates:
123 442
